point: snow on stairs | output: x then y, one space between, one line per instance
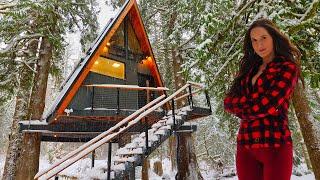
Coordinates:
133 153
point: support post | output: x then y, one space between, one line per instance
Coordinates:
208 99
190 95
173 115
92 158
109 160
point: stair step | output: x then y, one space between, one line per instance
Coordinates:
119 167
119 160
156 125
162 132
166 127
182 113
102 175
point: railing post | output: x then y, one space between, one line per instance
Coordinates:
146 133
146 118
173 115
92 158
118 101
208 99
56 177
190 95
109 161
92 99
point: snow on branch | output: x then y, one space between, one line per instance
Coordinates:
191 38
26 64
16 39
218 37
312 8
5 6
223 66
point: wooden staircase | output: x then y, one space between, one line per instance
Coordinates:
133 153
122 165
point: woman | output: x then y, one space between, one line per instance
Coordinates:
259 95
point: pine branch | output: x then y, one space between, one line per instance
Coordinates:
307 18
217 38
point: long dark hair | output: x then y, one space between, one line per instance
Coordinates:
282 47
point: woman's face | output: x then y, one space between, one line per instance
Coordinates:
262 43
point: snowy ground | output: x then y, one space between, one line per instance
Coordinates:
2 159
84 167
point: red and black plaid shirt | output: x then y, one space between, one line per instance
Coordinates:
263 107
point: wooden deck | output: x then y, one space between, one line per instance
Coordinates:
83 129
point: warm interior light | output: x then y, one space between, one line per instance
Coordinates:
108 44
109 67
116 65
105 49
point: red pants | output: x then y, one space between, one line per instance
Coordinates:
264 163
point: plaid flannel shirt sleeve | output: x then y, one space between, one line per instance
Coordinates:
259 105
236 104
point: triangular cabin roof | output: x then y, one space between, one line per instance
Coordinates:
130 9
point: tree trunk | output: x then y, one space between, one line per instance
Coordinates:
28 163
38 95
15 137
145 169
310 128
25 148
32 141
187 161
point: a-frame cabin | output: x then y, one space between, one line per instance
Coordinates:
93 98
116 89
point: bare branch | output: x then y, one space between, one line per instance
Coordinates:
26 64
4 11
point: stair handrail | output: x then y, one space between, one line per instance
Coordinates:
100 136
67 162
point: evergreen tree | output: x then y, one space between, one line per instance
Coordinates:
32 32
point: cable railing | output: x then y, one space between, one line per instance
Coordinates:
110 134
118 88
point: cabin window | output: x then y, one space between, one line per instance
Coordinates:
109 67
